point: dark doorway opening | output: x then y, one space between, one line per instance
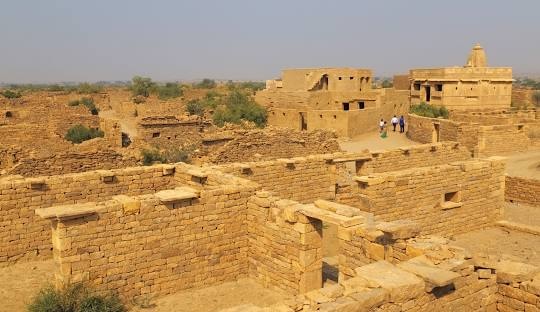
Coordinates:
303 121
428 93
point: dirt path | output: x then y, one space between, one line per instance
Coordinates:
216 298
20 282
521 213
373 141
524 164
127 125
513 245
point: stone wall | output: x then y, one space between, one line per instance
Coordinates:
284 246
24 236
167 131
522 190
413 156
71 162
302 179
502 139
268 144
443 199
143 245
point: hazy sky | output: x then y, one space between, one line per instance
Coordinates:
91 40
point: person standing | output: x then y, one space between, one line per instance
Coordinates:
384 133
401 124
394 122
381 125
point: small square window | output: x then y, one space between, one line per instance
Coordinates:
417 86
361 105
156 135
452 197
351 78
339 78
345 106
438 87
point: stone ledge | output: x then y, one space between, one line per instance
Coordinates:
531 229
176 195
67 212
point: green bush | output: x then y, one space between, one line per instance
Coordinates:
74 298
195 107
151 156
88 102
427 110
205 84
238 106
79 133
89 88
56 87
142 86
246 85
169 91
170 155
11 94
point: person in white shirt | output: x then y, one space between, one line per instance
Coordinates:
381 125
395 122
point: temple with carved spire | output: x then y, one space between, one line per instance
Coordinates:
472 86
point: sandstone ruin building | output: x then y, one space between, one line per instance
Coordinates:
472 86
341 99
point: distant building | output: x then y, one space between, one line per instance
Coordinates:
341 99
472 86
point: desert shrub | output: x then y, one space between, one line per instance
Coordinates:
142 86
150 156
246 85
56 87
89 88
79 133
195 107
387 83
169 91
170 155
74 298
432 111
238 106
9 94
205 84
139 99
88 102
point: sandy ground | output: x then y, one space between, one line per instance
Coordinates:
216 298
20 282
127 125
513 245
373 141
521 213
524 164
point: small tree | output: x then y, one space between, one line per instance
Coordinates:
88 88
142 86
195 107
205 84
238 106
11 94
536 98
169 91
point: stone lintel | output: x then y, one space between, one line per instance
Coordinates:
67 212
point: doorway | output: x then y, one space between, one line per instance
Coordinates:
436 136
303 121
428 93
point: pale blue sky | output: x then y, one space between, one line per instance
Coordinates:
74 40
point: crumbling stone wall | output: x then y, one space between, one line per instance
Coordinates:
71 162
444 199
24 236
167 131
284 246
522 190
268 144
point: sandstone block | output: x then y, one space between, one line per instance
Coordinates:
510 272
400 284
